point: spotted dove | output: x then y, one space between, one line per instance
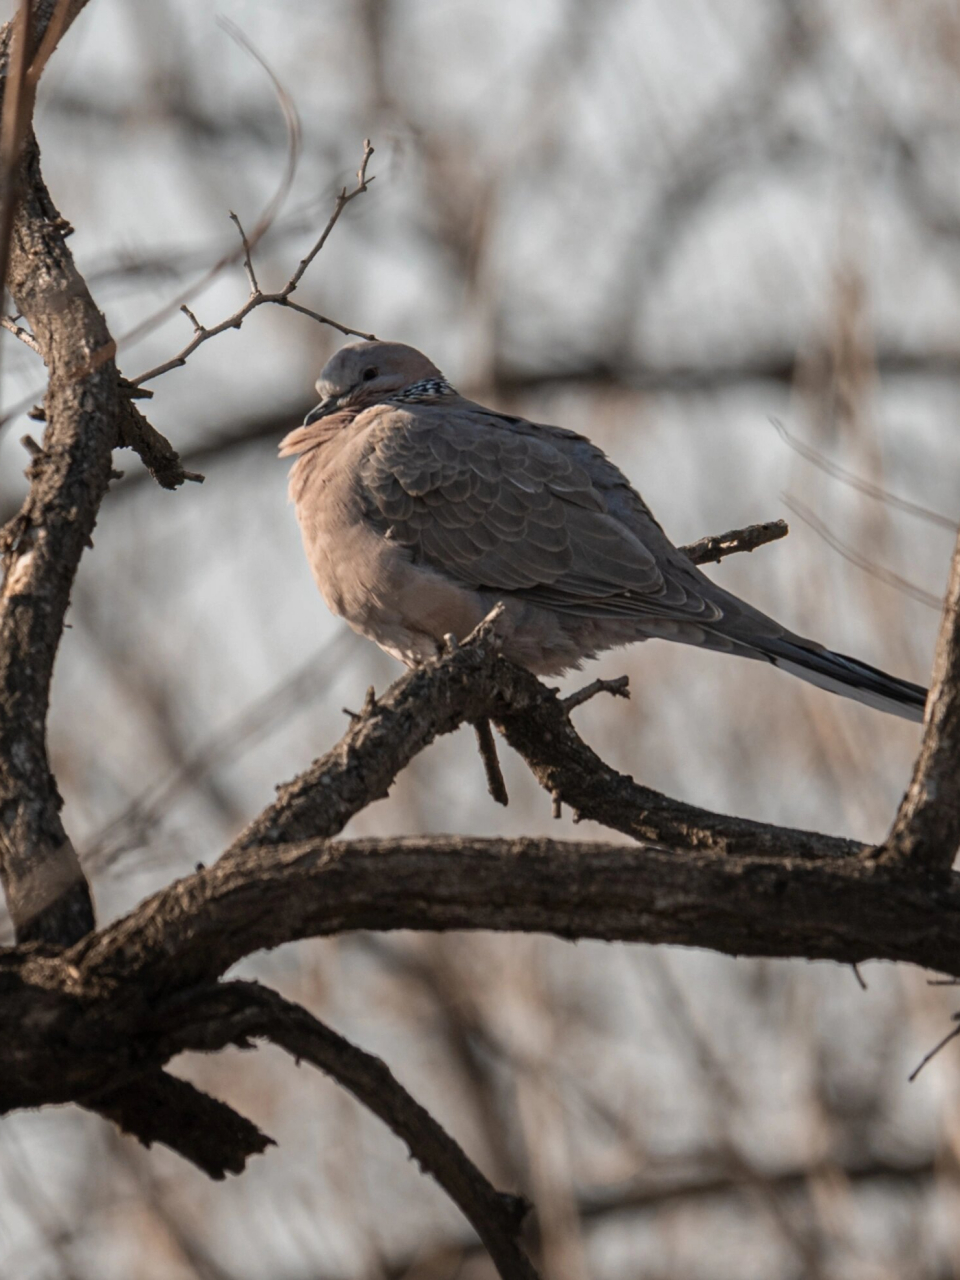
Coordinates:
420 510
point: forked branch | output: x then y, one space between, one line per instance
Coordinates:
236 1012
282 297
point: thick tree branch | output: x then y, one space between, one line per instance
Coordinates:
158 1107
768 903
98 1002
926 831
168 938
85 408
696 879
235 1012
46 892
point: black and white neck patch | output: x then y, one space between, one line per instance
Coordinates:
424 391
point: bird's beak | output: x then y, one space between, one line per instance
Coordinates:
321 410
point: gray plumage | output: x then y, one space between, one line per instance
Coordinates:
421 510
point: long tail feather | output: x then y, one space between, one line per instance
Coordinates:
849 677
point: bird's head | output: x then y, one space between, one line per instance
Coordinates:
366 373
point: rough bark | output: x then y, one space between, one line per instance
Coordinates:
235 1012
46 891
696 879
926 831
94 1018
88 413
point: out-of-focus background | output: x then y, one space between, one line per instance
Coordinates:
670 226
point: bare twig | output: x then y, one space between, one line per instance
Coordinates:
18 331
14 124
619 688
321 319
234 1012
197 326
153 449
491 764
270 211
247 257
343 199
928 1057
282 297
712 550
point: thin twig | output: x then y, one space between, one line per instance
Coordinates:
927 1057
197 326
266 218
713 549
491 764
247 256
14 122
281 297
315 315
18 331
619 688
343 199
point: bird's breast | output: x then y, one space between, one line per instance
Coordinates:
370 580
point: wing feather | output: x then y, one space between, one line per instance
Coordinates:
505 505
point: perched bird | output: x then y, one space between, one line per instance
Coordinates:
420 510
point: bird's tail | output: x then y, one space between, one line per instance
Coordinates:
846 676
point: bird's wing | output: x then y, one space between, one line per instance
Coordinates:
504 505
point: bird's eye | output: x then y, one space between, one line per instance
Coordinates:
368 374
